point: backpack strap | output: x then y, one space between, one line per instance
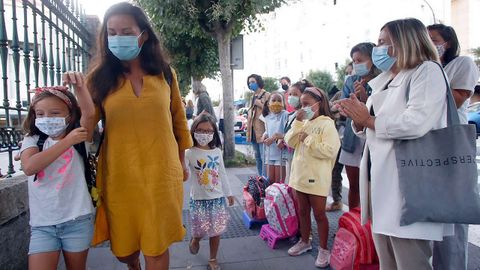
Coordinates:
41 141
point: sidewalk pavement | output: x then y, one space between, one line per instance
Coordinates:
240 248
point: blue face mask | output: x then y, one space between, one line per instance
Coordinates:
124 48
253 86
309 112
381 59
361 69
294 101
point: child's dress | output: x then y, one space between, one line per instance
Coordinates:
209 187
274 123
314 158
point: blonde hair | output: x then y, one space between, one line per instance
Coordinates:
411 43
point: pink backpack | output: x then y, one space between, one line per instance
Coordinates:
280 210
343 251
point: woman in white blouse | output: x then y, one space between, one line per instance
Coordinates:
404 54
462 72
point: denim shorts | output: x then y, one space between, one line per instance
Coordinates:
71 236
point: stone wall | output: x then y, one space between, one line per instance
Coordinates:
14 228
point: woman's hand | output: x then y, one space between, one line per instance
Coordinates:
258 103
360 91
74 78
231 200
357 111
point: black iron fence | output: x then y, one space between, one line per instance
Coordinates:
39 40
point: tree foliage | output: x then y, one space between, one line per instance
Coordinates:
221 20
270 84
321 79
194 53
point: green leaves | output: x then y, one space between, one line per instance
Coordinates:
270 84
321 79
193 52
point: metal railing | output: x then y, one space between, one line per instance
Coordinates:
54 40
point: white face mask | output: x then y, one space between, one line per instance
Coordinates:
441 49
203 139
51 126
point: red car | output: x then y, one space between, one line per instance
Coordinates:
240 125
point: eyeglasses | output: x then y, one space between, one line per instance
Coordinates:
202 131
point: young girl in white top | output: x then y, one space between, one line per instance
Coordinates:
61 208
209 187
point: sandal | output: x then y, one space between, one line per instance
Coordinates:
213 265
193 249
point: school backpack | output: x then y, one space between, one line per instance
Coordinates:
280 210
344 250
253 195
365 253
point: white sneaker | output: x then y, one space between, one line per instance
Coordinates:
323 258
299 248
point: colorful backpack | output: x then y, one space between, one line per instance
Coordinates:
280 210
344 250
253 196
365 253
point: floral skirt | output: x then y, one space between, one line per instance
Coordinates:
209 217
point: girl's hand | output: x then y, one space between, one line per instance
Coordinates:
186 172
300 115
280 144
269 141
360 91
302 135
278 136
77 136
230 200
74 78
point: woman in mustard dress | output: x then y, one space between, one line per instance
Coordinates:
141 162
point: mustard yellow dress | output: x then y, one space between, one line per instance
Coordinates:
140 177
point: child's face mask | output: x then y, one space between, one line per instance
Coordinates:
309 112
203 139
51 126
275 106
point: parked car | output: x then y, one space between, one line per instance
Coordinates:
473 111
240 125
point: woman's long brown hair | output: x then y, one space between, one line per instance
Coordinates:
106 71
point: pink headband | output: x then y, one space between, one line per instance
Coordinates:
314 91
58 91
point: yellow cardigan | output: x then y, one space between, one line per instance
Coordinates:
314 158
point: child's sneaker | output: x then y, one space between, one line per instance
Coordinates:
299 248
323 258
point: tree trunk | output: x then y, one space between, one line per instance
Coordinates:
196 84
223 41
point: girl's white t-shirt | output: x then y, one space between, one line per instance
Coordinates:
207 174
60 192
